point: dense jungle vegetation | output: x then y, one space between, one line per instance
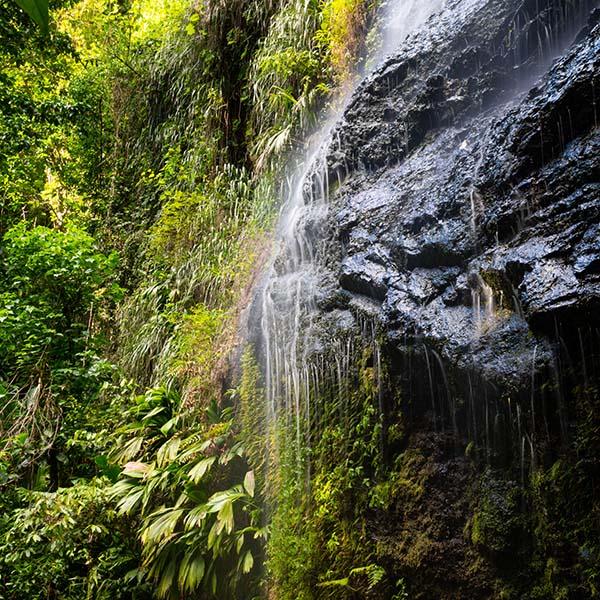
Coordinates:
139 144
143 153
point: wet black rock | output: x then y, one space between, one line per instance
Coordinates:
485 170
465 223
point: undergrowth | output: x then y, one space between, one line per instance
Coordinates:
161 131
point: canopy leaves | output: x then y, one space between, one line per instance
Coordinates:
37 10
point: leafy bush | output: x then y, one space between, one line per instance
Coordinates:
158 126
195 495
70 544
57 289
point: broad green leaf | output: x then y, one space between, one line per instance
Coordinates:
131 500
225 517
249 483
194 449
197 471
262 532
248 562
169 425
167 579
162 524
37 10
216 501
130 450
155 411
212 536
236 450
191 572
168 451
195 517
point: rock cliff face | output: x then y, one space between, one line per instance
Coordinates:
464 222
469 203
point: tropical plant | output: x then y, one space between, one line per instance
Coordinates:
56 289
288 81
155 126
69 544
37 10
194 494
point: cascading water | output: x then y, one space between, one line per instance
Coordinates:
402 18
290 336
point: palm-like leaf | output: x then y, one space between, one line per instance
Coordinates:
175 484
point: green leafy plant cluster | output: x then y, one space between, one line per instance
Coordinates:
37 10
47 122
320 524
310 48
68 544
200 529
57 289
565 510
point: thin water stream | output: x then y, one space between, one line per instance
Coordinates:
289 333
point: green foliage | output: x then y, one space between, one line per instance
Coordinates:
152 128
373 573
256 431
496 526
204 248
70 544
320 525
401 593
37 10
291 553
343 34
310 48
195 496
47 120
57 288
287 81
61 269
564 517
404 483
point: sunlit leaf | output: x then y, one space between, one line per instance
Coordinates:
195 517
213 536
167 578
167 451
249 483
136 469
197 471
225 517
248 562
216 501
131 500
162 523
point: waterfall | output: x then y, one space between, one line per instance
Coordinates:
289 329
434 272
400 19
